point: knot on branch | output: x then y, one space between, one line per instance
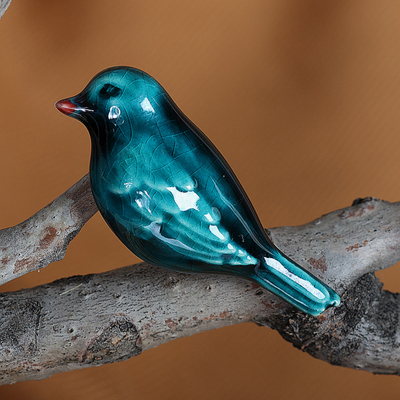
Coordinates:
339 335
119 341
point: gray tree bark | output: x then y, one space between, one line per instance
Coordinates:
43 238
3 6
95 319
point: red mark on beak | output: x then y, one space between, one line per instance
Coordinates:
66 107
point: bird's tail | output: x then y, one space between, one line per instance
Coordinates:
298 287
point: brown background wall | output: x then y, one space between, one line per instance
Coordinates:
302 98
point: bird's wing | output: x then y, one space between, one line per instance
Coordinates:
177 223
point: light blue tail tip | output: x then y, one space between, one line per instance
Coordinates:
336 300
333 300
295 285
312 307
309 305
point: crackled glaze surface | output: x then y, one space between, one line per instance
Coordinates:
170 196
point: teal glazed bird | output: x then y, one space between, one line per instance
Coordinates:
170 196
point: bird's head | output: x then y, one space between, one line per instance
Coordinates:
115 96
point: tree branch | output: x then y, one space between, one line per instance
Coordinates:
90 320
43 238
3 6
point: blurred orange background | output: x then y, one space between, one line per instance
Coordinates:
301 97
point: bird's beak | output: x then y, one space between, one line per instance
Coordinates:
66 106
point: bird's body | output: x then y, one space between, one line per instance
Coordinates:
169 195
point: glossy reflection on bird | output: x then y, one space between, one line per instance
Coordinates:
170 196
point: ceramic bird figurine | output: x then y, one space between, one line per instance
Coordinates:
169 195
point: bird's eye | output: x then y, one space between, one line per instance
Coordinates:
109 90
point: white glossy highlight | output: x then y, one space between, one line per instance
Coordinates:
209 217
184 200
143 200
146 106
302 282
114 112
215 231
128 185
155 229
